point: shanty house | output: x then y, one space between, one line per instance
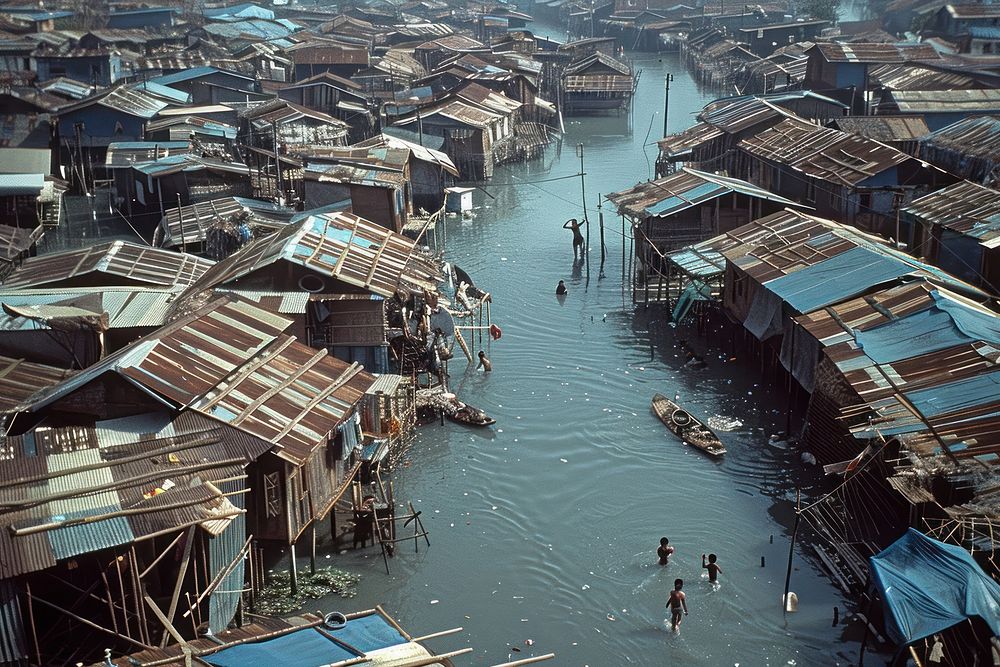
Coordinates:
29 196
296 127
960 24
142 17
210 85
374 185
339 97
97 67
843 176
682 209
75 327
764 39
218 227
969 148
842 70
331 255
597 83
942 107
958 229
343 57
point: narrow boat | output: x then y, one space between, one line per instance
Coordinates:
686 427
471 416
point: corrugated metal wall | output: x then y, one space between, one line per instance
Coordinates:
12 644
221 552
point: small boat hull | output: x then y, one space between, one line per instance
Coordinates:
685 426
471 416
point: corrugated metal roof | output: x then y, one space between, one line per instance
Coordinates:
198 218
887 129
386 383
966 208
947 101
913 77
13 645
876 52
336 245
978 136
20 379
127 307
824 153
121 261
130 153
675 145
682 190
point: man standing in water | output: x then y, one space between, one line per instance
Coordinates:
578 240
676 603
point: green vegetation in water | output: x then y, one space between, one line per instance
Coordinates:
277 598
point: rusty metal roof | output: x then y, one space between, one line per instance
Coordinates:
16 240
198 218
682 143
887 129
915 77
947 101
58 475
965 207
680 191
978 136
119 262
836 52
126 307
825 153
20 379
336 245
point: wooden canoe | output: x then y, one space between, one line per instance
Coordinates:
471 416
686 427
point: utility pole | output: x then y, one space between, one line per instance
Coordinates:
583 201
666 101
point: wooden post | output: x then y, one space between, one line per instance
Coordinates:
31 620
312 548
175 597
294 569
791 549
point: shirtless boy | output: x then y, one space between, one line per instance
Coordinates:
677 603
664 551
713 568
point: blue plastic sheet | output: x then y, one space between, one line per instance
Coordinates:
948 323
970 393
928 586
369 633
307 648
836 279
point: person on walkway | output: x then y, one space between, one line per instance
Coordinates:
561 288
364 522
712 566
484 362
677 603
578 240
664 551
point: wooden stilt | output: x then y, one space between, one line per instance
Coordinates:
175 596
121 590
294 569
31 621
312 549
791 550
90 623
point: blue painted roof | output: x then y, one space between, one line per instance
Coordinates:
192 73
242 10
148 145
252 27
36 14
145 10
166 92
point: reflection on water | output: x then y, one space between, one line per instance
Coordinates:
545 527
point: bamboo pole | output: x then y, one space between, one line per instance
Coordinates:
527 661
31 621
121 589
791 549
156 560
435 635
33 502
137 597
90 623
200 441
166 624
434 659
220 577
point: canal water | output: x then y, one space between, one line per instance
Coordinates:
544 527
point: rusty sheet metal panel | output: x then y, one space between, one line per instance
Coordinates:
824 153
967 208
291 395
120 260
20 379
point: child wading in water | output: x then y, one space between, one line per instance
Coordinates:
677 603
713 568
664 551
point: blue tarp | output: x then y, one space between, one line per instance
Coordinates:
309 648
928 586
947 323
836 279
975 391
298 649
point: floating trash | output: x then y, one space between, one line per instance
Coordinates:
722 423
